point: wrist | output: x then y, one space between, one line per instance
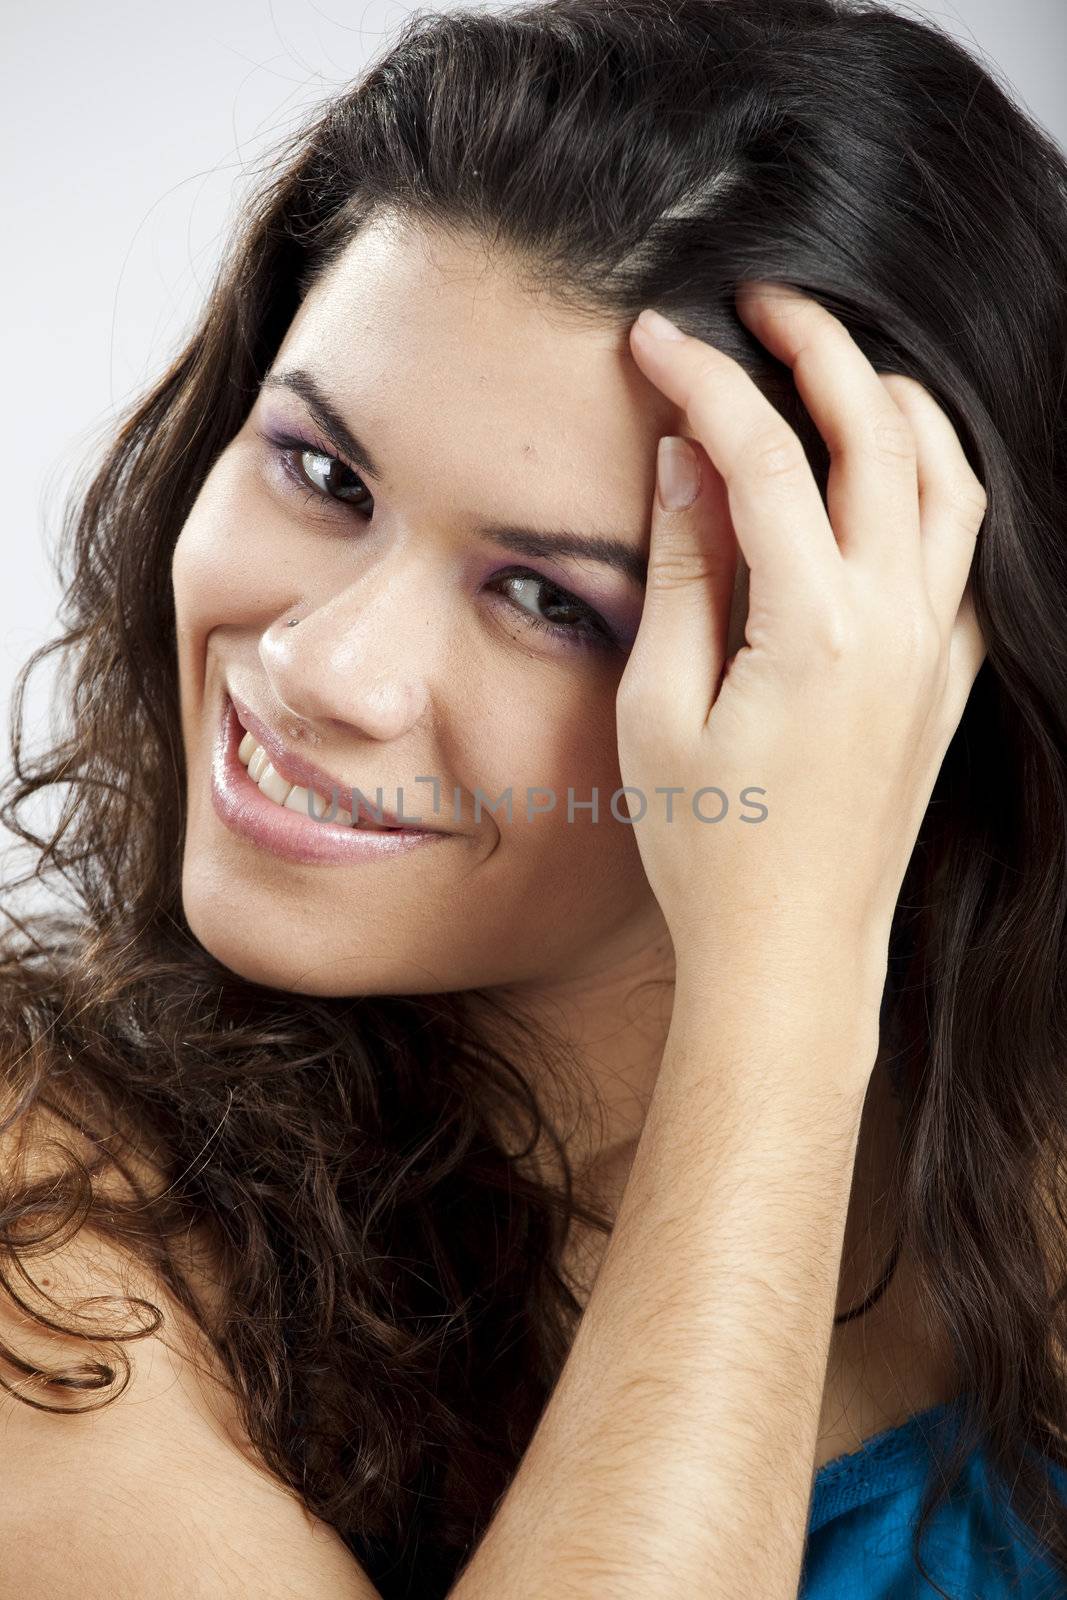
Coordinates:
809 1003
805 951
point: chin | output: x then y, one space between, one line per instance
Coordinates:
250 959
291 959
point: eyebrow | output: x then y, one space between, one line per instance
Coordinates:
537 542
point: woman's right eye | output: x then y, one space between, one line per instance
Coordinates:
318 474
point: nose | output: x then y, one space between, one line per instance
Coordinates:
361 657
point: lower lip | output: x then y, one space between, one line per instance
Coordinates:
245 809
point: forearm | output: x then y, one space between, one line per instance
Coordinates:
675 1455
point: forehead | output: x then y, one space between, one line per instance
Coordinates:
425 337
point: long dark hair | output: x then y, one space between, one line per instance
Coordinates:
363 1161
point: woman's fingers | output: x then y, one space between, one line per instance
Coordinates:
966 652
902 499
872 492
677 656
861 639
952 501
775 506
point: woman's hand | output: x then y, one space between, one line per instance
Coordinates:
860 647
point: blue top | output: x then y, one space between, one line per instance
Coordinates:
865 1506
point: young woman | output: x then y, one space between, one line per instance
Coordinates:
551 1077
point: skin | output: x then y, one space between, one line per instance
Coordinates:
410 659
479 401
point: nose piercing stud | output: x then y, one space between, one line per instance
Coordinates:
292 622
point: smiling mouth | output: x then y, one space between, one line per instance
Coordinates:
296 797
292 821
289 781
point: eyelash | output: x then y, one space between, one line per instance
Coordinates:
590 631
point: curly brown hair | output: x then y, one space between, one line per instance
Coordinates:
364 1166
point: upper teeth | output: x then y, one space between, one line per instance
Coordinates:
291 795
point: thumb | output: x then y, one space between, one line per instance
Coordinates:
677 658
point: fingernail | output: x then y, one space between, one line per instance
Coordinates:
658 326
677 473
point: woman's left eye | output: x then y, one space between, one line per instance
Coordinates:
580 625
575 622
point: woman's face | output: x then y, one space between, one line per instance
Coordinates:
418 652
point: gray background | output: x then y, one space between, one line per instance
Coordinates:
127 127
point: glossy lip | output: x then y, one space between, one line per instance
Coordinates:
246 810
297 769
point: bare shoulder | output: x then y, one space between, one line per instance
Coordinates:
157 1491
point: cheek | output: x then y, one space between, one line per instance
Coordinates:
202 577
537 726
229 569
563 737
198 583
201 566
232 561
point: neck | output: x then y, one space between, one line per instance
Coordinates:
591 1044
594 1055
